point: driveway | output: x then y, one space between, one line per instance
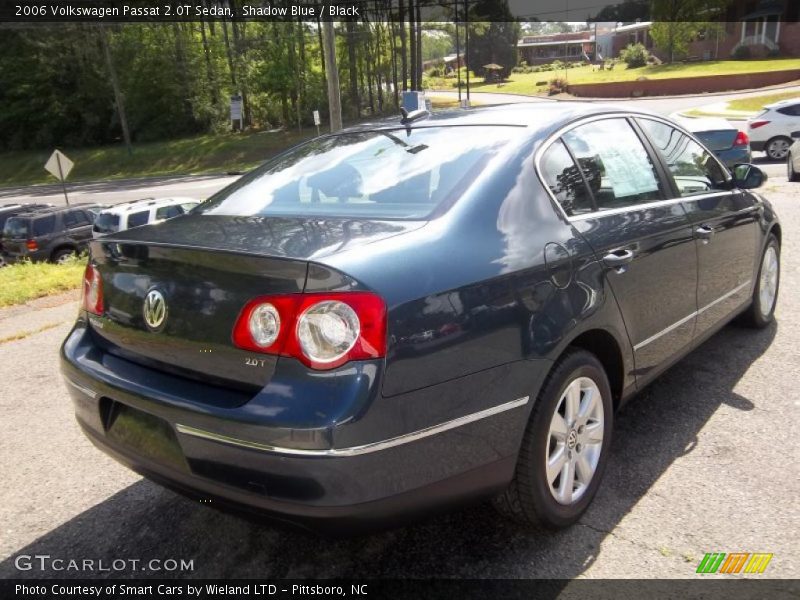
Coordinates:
705 460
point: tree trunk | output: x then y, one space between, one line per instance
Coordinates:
212 79
352 67
332 76
403 56
119 100
419 47
412 44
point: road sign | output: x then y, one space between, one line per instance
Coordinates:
236 108
316 118
59 165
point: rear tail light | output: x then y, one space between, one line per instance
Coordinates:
741 139
322 330
92 290
32 245
757 124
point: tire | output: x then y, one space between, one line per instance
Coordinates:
777 148
761 311
791 174
60 256
531 497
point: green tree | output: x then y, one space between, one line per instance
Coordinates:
677 23
493 36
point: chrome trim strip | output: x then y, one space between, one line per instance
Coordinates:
92 394
691 316
622 114
354 450
724 297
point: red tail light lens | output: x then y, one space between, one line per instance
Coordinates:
32 245
92 290
322 330
757 124
741 139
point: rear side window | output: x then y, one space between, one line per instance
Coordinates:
792 110
16 228
106 223
694 169
615 163
565 182
167 212
393 174
139 218
76 218
44 225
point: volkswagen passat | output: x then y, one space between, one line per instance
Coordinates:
417 312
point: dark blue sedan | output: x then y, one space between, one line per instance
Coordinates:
418 312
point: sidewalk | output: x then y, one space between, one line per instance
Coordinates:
41 314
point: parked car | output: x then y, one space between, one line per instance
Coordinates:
770 129
11 210
140 212
793 159
729 144
53 233
248 352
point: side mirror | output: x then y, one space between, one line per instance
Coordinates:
748 177
795 135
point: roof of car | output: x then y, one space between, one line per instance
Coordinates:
149 203
540 115
783 103
49 210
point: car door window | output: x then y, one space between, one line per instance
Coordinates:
615 163
76 218
167 212
44 225
694 168
139 218
565 182
792 110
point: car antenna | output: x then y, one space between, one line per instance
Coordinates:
414 115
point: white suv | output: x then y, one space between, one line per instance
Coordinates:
771 129
140 212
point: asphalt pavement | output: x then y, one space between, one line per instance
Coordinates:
704 460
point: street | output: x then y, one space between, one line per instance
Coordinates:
702 461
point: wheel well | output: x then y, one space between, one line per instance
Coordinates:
605 347
776 230
58 249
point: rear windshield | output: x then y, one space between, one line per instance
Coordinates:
398 174
106 223
717 140
16 228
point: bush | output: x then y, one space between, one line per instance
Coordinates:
741 53
634 55
557 85
774 53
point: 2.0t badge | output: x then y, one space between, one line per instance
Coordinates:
154 310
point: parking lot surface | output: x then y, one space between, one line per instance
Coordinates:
705 460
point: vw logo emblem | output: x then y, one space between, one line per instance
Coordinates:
154 310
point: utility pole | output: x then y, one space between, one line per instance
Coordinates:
332 76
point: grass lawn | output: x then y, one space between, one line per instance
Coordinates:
199 154
525 83
25 281
756 103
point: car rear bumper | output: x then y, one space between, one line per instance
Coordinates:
757 146
218 456
734 156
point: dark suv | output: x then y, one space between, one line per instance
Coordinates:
12 210
52 233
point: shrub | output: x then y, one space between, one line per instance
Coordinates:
634 55
741 53
557 85
774 53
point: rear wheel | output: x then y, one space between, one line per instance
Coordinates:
791 174
765 293
777 148
565 446
63 255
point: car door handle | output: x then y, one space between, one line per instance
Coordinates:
704 232
618 258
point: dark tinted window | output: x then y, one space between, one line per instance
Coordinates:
401 173
793 110
106 223
717 140
16 228
76 218
139 218
167 212
694 169
562 177
616 165
44 225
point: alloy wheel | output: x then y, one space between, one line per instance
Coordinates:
778 149
768 281
575 440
